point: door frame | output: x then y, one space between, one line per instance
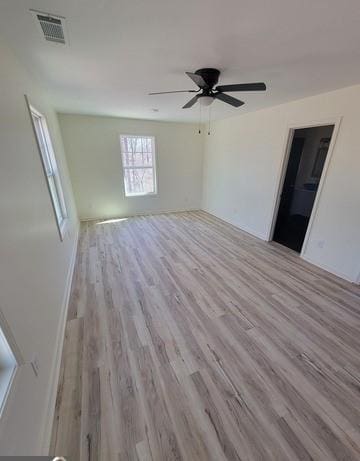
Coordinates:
358 279
288 139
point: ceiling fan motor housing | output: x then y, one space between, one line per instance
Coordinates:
211 76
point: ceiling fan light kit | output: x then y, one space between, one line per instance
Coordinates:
205 100
206 79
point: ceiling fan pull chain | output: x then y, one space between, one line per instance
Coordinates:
209 127
200 119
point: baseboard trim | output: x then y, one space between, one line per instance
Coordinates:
55 369
238 226
327 268
146 213
307 258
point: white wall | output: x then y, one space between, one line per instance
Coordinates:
34 264
93 152
242 164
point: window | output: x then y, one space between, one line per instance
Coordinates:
8 365
50 168
138 161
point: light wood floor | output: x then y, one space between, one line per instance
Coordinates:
188 339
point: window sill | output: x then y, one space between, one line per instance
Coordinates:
63 228
151 194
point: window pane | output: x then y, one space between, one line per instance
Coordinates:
137 159
8 364
56 199
50 166
136 144
139 181
136 151
42 142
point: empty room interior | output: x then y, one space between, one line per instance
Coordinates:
180 230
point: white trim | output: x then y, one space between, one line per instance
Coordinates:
320 188
306 258
9 386
289 135
241 227
63 227
288 139
158 212
48 417
15 351
52 159
328 268
140 213
358 279
150 194
4 326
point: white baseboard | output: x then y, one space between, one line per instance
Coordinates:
307 258
241 227
327 268
140 213
55 369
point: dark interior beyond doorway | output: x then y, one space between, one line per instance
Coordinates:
305 165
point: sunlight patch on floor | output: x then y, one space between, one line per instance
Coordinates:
110 221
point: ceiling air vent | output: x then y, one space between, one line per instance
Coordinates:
52 27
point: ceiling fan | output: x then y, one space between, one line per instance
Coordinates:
206 79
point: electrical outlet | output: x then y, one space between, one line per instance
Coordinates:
35 366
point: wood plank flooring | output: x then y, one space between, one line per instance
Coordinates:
188 339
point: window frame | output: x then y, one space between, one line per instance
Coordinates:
53 180
153 166
10 361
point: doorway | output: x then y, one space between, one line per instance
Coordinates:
305 165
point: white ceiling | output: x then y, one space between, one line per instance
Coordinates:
119 50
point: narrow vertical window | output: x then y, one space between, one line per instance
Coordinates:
138 161
8 366
50 168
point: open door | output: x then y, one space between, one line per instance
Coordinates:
303 173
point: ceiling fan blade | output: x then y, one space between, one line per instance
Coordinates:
200 82
177 91
259 86
229 99
191 102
